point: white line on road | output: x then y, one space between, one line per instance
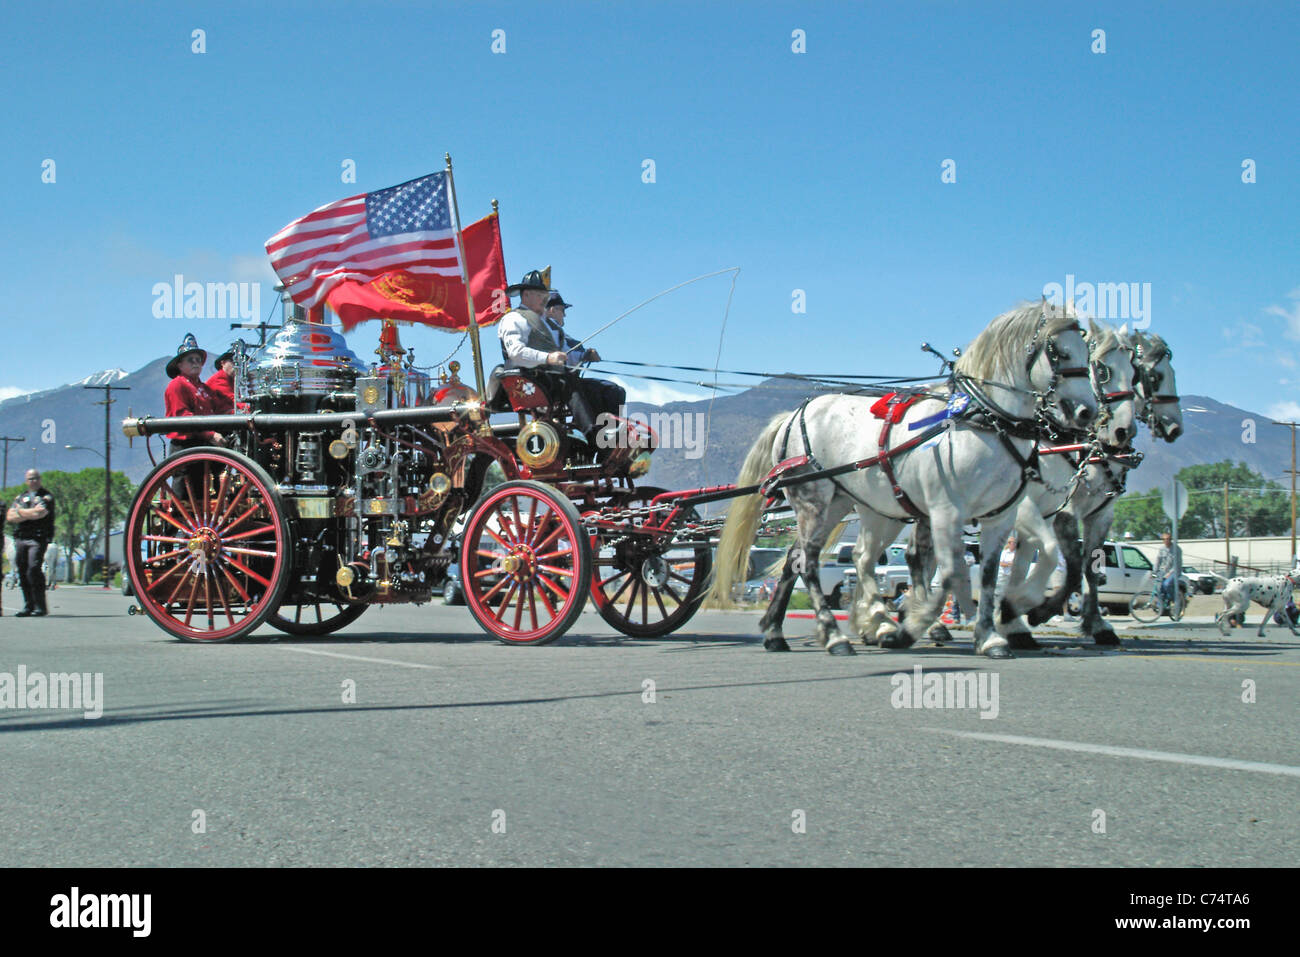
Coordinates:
378 661
1171 756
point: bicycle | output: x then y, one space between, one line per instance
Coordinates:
1147 606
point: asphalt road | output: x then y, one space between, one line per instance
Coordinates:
452 732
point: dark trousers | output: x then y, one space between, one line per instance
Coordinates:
28 556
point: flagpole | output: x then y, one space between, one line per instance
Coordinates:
469 296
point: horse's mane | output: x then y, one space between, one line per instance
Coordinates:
998 353
1104 339
1153 346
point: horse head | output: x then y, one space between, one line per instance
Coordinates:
1110 361
1157 391
1037 354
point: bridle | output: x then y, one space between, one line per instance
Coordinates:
1148 381
1046 398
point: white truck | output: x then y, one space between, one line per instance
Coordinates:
839 577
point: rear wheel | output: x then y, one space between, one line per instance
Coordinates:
1179 604
208 546
525 563
644 586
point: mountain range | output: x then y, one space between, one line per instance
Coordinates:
68 415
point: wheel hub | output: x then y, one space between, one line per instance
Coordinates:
520 562
204 546
654 571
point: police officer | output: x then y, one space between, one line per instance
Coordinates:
33 513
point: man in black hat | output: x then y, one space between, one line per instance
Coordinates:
33 513
222 383
187 395
603 397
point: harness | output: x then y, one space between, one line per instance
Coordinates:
979 410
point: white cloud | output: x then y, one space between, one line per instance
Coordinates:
660 393
1289 313
1284 411
12 392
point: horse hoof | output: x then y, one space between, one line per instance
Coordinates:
1107 637
1023 641
939 633
776 643
899 639
841 647
1037 617
998 651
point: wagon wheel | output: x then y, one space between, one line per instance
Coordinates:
640 586
208 546
315 615
525 563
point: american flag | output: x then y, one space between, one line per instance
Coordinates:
362 237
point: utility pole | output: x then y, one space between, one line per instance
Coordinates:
1291 426
1227 531
6 439
108 465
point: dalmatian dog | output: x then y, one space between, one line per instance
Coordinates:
1272 592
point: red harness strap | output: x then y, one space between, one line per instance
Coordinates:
887 466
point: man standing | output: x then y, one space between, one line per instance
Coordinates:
33 513
222 383
1168 560
188 395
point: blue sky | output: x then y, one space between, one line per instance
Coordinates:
818 171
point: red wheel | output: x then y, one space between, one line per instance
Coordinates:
207 545
525 563
643 586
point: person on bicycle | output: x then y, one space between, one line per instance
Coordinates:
1168 560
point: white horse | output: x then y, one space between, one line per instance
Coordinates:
1074 479
1157 405
950 459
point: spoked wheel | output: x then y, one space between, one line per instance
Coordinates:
525 563
208 546
1145 607
315 616
644 587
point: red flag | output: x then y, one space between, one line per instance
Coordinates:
433 300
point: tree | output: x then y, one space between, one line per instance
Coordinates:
1256 505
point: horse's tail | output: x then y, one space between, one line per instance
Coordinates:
741 527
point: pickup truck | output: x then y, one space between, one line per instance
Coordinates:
839 576
1127 571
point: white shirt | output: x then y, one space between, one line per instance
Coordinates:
513 331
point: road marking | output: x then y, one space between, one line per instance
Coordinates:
1171 756
1174 656
378 661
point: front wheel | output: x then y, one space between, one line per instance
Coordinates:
1145 607
525 564
322 616
1179 605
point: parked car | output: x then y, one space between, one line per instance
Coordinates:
1204 582
452 593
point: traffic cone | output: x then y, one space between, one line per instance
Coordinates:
949 616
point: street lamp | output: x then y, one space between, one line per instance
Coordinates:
107 514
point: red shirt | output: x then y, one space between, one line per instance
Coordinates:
189 397
224 391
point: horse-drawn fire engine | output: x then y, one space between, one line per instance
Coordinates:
343 485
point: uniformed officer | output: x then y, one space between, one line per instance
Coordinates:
222 383
33 513
187 395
